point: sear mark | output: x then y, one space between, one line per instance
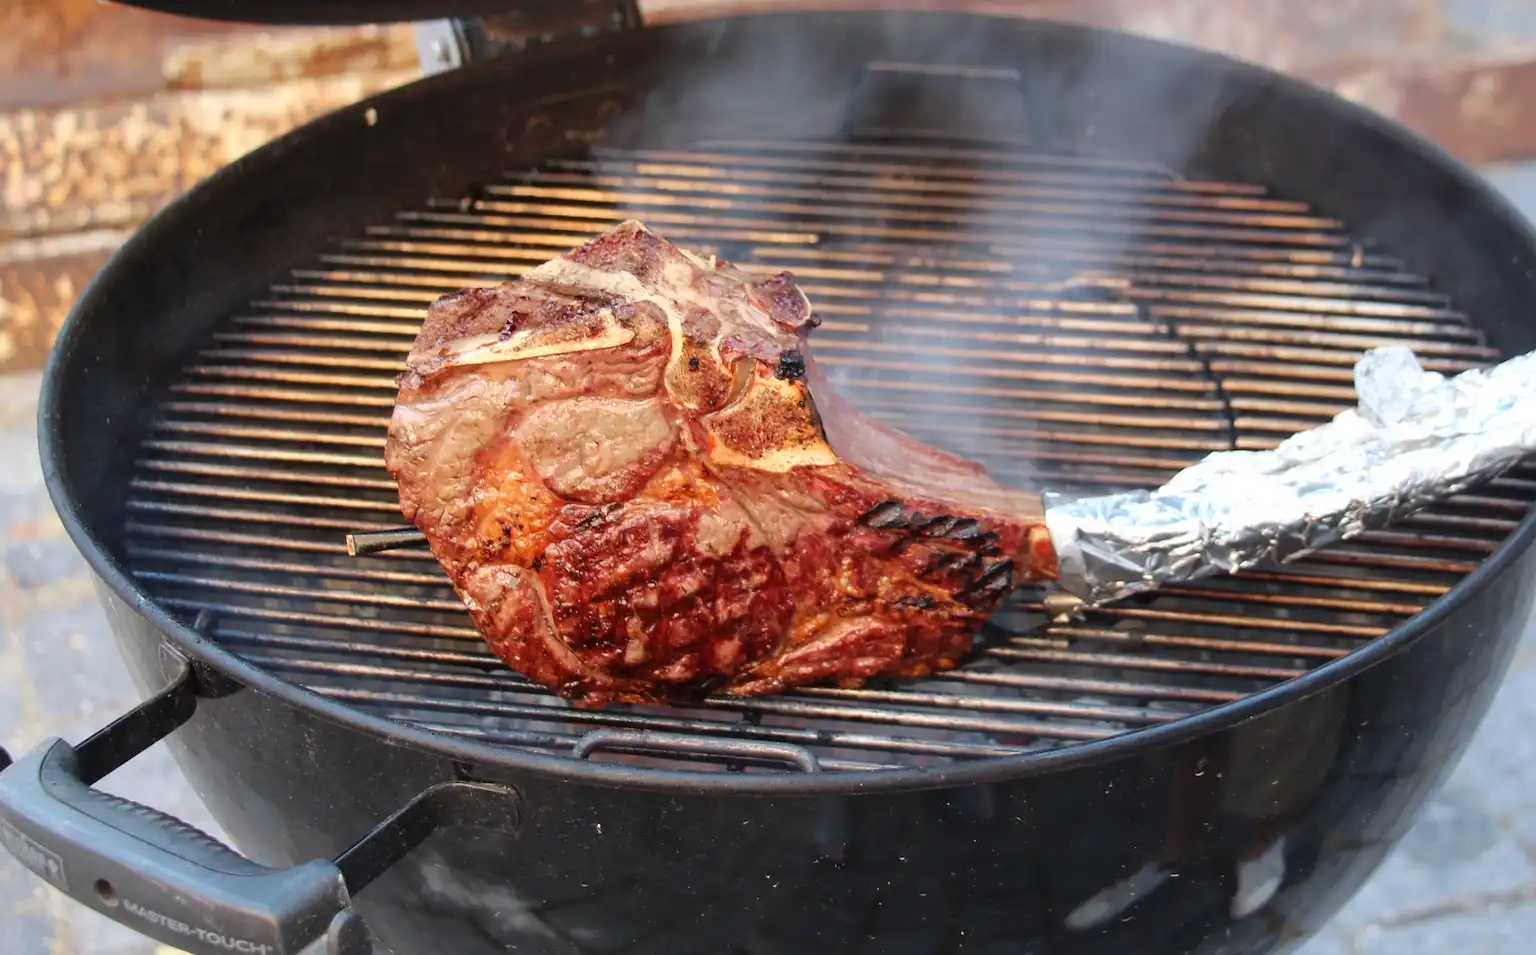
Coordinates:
940 526
967 530
994 584
885 516
953 562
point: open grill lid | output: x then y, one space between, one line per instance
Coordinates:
355 12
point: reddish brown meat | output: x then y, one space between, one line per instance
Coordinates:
619 462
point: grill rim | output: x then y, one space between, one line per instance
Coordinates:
167 228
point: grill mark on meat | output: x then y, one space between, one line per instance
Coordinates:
938 527
952 562
886 514
994 583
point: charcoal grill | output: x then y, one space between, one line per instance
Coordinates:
1013 350
1083 259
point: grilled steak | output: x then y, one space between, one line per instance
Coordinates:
643 490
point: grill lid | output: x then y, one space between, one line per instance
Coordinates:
353 12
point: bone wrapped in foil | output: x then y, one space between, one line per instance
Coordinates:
1415 437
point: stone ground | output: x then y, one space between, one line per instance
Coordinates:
1464 879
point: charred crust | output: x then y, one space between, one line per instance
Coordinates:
791 366
693 363
946 526
940 526
885 516
508 328
923 602
995 583
953 562
967 529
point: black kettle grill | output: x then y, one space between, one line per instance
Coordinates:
1078 256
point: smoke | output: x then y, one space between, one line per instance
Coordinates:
966 200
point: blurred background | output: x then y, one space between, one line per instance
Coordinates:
108 113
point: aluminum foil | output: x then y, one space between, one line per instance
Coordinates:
1415 437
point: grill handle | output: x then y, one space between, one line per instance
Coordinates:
178 885
639 741
959 100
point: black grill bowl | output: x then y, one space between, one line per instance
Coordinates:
1199 250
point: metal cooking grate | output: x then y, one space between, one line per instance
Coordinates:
1103 323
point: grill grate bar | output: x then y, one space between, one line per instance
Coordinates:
951 159
958 190
1178 641
266 473
1101 267
1124 661
259 453
849 224
1064 333
268 497
146 556
748 167
929 206
351 598
267 393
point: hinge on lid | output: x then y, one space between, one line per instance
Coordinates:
445 44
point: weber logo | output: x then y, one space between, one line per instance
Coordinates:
34 856
227 942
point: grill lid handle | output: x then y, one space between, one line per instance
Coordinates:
331 12
178 885
641 741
